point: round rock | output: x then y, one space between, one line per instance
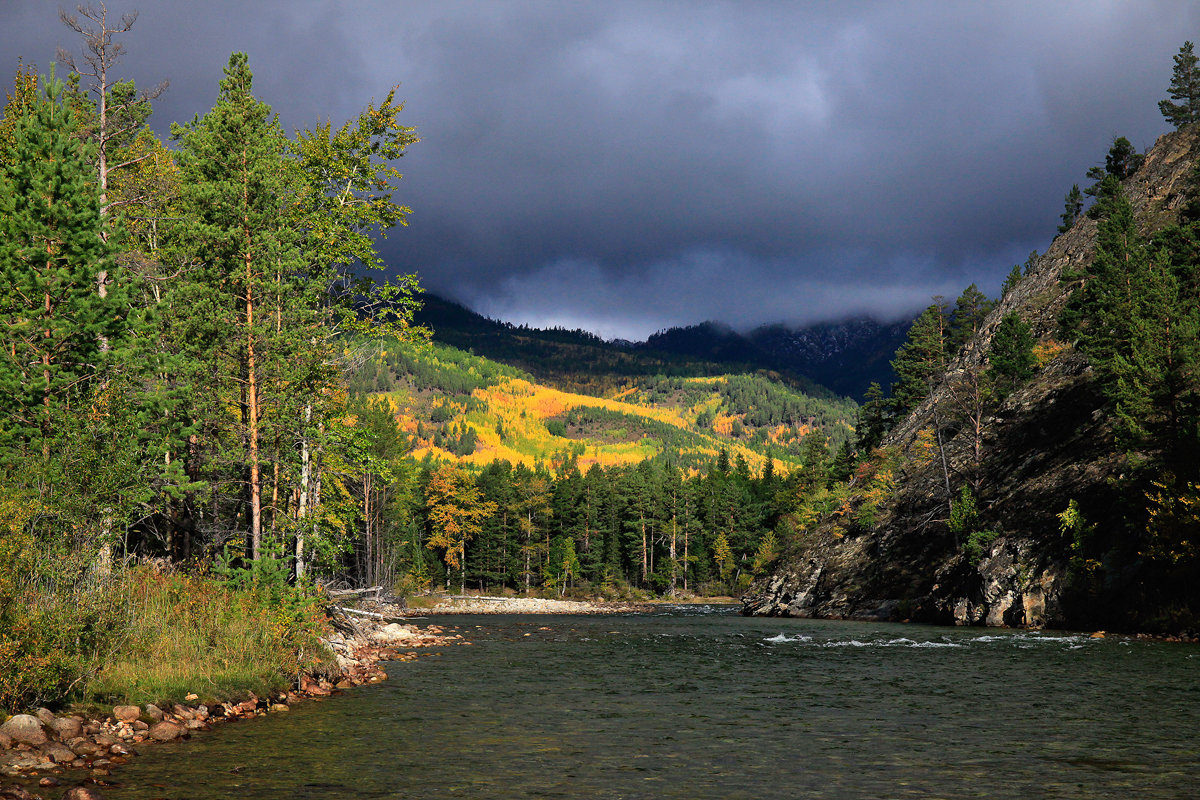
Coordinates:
25 728
82 793
126 713
67 727
165 731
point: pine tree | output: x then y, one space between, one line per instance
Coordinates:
1073 207
1121 161
969 311
872 419
237 190
52 322
1011 355
920 361
1185 87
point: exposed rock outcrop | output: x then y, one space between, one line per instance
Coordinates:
1049 441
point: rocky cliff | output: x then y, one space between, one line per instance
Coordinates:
1046 444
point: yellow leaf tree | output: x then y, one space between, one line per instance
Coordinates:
456 514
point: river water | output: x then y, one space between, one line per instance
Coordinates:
697 702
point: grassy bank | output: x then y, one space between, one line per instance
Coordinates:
76 631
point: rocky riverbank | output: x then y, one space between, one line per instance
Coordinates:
482 604
43 752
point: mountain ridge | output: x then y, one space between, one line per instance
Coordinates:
843 357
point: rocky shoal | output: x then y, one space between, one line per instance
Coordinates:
47 751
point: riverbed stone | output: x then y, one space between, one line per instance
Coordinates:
25 728
45 716
83 793
58 753
126 713
15 792
165 731
83 747
67 727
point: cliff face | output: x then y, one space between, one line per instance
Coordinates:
1049 442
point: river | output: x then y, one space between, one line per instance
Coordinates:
697 702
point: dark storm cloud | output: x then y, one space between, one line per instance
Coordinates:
627 166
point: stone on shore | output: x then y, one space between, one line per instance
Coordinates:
394 632
154 712
165 731
67 728
26 729
126 713
58 753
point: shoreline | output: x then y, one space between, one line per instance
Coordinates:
487 604
43 754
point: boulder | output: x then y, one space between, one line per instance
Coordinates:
45 716
17 793
67 727
85 748
58 753
126 713
154 712
26 729
394 632
165 731
5 741
183 712
83 793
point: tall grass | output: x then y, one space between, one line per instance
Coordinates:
60 614
74 630
191 634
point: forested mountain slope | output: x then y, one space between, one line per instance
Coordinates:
1060 503
455 406
825 359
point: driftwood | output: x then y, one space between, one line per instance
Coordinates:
371 614
374 592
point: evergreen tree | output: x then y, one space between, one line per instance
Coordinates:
1010 283
236 190
1011 355
1185 87
20 101
1121 161
872 419
969 311
920 361
54 326
1073 207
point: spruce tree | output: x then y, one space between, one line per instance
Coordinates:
1185 87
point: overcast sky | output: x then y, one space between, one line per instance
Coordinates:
627 166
